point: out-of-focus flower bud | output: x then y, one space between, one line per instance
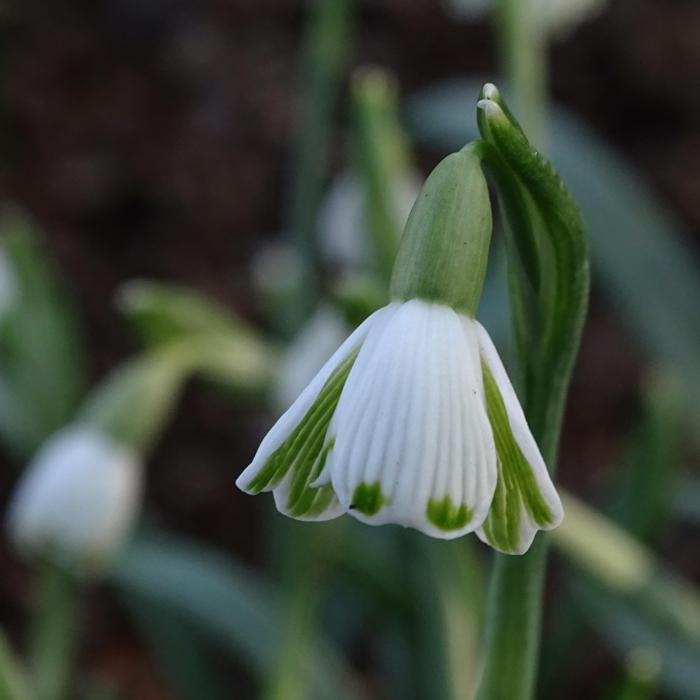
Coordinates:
78 499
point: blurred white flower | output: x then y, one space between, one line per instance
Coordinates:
77 500
555 16
344 239
318 339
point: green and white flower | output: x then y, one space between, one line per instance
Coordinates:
413 420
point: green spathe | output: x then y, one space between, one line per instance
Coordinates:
444 249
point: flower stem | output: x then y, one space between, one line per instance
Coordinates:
327 51
53 634
522 45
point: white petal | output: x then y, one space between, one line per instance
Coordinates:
413 442
289 420
526 442
77 499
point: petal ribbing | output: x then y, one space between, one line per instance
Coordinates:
412 441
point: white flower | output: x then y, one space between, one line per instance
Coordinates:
78 499
412 421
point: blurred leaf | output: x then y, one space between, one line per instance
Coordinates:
42 362
631 597
640 676
643 499
177 650
14 684
230 352
98 689
686 502
383 163
161 312
625 628
53 634
134 401
449 600
225 601
327 50
636 246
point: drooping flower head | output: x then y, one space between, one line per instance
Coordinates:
413 420
78 500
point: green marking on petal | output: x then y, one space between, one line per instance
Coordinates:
516 486
368 498
306 449
446 515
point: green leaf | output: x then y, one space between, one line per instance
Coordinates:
161 312
327 49
383 161
14 684
230 353
225 601
53 640
42 364
644 497
178 651
133 403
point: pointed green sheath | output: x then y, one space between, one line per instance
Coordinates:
444 249
549 278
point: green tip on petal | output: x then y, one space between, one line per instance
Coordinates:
368 498
446 515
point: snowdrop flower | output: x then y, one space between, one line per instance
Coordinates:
78 499
413 420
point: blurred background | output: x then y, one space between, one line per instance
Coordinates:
194 144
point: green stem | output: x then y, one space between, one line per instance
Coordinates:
53 634
383 161
291 678
522 45
327 52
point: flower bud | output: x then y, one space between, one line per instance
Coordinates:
78 500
